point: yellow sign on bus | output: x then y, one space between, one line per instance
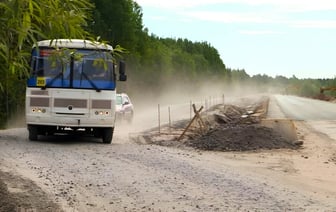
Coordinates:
41 81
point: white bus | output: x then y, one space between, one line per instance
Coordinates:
72 88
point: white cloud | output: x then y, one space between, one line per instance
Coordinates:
293 5
260 32
327 24
172 4
258 18
159 18
301 5
288 5
190 10
226 17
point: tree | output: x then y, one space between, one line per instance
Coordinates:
25 21
118 21
22 23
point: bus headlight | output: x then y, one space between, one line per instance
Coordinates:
101 113
38 110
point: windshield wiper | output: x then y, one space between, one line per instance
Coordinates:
53 80
90 81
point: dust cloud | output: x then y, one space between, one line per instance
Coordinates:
168 101
155 106
18 120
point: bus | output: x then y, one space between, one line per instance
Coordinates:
71 88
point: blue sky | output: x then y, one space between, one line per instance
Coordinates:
272 37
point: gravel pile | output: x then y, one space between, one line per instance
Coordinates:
230 128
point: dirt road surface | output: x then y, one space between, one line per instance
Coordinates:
69 173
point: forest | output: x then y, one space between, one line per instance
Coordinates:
153 62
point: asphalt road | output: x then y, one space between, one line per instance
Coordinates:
320 115
299 108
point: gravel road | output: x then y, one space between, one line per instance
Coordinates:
82 174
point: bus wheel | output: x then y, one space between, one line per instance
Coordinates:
107 135
97 132
33 132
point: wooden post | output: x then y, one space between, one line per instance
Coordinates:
159 121
169 117
193 119
198 115
190 108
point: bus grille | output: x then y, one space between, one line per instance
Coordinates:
39 102
76 103
101 104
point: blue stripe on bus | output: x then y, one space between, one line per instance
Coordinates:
58 83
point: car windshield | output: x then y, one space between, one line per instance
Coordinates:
119 100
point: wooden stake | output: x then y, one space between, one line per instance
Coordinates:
192 120
159 118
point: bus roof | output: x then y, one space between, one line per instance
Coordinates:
74 43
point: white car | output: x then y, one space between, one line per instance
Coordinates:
124 108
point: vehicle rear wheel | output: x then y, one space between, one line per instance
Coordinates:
33 132
107 135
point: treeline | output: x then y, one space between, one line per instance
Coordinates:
153 63
283 85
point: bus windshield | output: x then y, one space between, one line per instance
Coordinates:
72 68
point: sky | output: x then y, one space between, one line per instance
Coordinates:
273 37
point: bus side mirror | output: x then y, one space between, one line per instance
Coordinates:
122 70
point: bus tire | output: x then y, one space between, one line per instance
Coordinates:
107 135
33 132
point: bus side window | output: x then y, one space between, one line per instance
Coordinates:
33 66
37 66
